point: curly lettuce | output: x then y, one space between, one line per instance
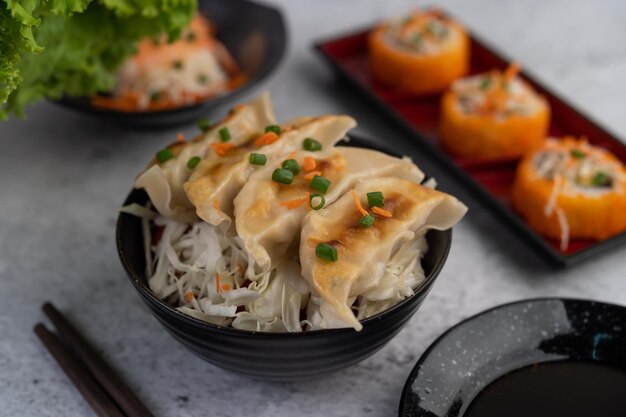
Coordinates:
49 48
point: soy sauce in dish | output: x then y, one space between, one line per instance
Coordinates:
554 389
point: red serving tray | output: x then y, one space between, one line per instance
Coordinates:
490 179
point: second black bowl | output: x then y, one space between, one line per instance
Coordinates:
254 34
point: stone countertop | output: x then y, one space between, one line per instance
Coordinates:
63 177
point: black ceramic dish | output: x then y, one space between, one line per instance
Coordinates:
483 348
254 34
275 356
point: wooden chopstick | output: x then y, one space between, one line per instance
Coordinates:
93 393
112 384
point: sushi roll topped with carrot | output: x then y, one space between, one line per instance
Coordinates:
420 54
570 189
495 114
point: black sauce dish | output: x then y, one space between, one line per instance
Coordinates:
275 356
467 370
256 36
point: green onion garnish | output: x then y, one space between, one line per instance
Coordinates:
258 159
366 221
325 251
283 176
485 83
320 184
321 203
202 79
577 153
204 124
601 179
224 134
191 36
311 144
155 95
178 64
417 38
193 162
273 128
376 198
164 155
292 166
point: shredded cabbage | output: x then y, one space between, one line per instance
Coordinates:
184 265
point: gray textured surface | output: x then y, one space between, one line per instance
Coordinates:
63 176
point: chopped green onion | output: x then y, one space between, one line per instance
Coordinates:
601 179
325 251
283 176
273 128
191 36
204 124
311 144
366 221
376 198
292 165
417 38
317 206
178 64
224 134
577 153
485 83
506 85
202 79
155 95
258 159
320 184
164 155
193 162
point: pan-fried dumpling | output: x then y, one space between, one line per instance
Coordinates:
266 219
217 180
364 252
164 181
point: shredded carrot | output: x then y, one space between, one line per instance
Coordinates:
266 139
309 164
180 137
226 287
216 204
221 148
217 282
358 203
381 212
511 71
292 204
240 269
312 175
307 200
189 296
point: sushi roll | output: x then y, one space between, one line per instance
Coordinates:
491 115
421 54
571 189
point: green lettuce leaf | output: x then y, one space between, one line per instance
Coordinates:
49 48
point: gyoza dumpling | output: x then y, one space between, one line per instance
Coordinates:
217 180
265 216
363 252
164 181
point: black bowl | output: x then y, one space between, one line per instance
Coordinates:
467 358
254 34
275 356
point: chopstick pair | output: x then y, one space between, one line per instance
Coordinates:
105 392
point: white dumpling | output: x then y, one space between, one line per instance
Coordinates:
363 253
268 229
164 181
217 180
